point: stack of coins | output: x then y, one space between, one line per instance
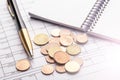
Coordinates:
58 50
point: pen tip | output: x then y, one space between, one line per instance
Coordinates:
31 53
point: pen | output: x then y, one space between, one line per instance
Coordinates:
22 31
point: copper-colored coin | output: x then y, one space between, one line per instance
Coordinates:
55 40
41 39
43 50
66 40
22 65
55 32
82 38
49 59
60 68
79 60
61 57
47 69
65 32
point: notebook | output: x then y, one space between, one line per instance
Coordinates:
81 14
70 13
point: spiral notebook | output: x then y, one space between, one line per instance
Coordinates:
79 14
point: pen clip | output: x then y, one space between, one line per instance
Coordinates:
10 9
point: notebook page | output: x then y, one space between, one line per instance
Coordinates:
11 50
109 24
70 12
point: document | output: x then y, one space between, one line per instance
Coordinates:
101 57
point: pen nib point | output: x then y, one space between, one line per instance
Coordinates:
31 53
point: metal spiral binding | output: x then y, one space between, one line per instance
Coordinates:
94 15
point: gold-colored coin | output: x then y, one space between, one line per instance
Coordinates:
47 69
55 32
79 60
61 57
22 65
60 68
82 38
41 39
49 59
54 48
66 40
65 32
73 49
72 67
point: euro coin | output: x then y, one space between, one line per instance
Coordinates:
55 32
73 49
60 68
72 67
41 39
66 40
81 38
22 65
61 57
47 69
